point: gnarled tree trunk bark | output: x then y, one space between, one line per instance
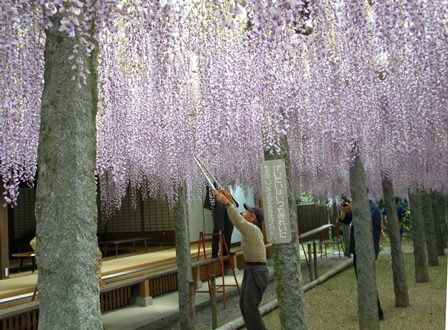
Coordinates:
418 238
287 272
66 211
439 222
399 275
430 235
365 253
183 260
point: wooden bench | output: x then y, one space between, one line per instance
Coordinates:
117 242
24 255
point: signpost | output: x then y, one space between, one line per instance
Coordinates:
275 201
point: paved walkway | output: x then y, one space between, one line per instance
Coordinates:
165 308
163 313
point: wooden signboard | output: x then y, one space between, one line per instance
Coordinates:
275 201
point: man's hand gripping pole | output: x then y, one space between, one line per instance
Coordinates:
213 181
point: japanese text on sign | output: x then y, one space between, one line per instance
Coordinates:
275 201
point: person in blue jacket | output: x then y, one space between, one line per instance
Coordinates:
400 214
376 227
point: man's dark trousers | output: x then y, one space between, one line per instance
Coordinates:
255 281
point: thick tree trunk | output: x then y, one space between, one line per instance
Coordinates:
365 253
418 237
287 273
399 275
66 212
439 222
183 259
430 235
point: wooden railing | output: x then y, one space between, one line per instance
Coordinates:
120 292
114 295
20 317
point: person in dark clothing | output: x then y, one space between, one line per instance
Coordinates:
344 222
346 212
221 223
376 227
400 214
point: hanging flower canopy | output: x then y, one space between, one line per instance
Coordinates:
226 79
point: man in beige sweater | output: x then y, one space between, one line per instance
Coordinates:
256 274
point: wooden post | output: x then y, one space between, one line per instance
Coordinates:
315 259
143 297
213 302
144 289
4 241
310 265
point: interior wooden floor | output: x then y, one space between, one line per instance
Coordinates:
159 257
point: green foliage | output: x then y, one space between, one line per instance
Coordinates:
306 199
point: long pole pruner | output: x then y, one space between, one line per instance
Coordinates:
213 181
